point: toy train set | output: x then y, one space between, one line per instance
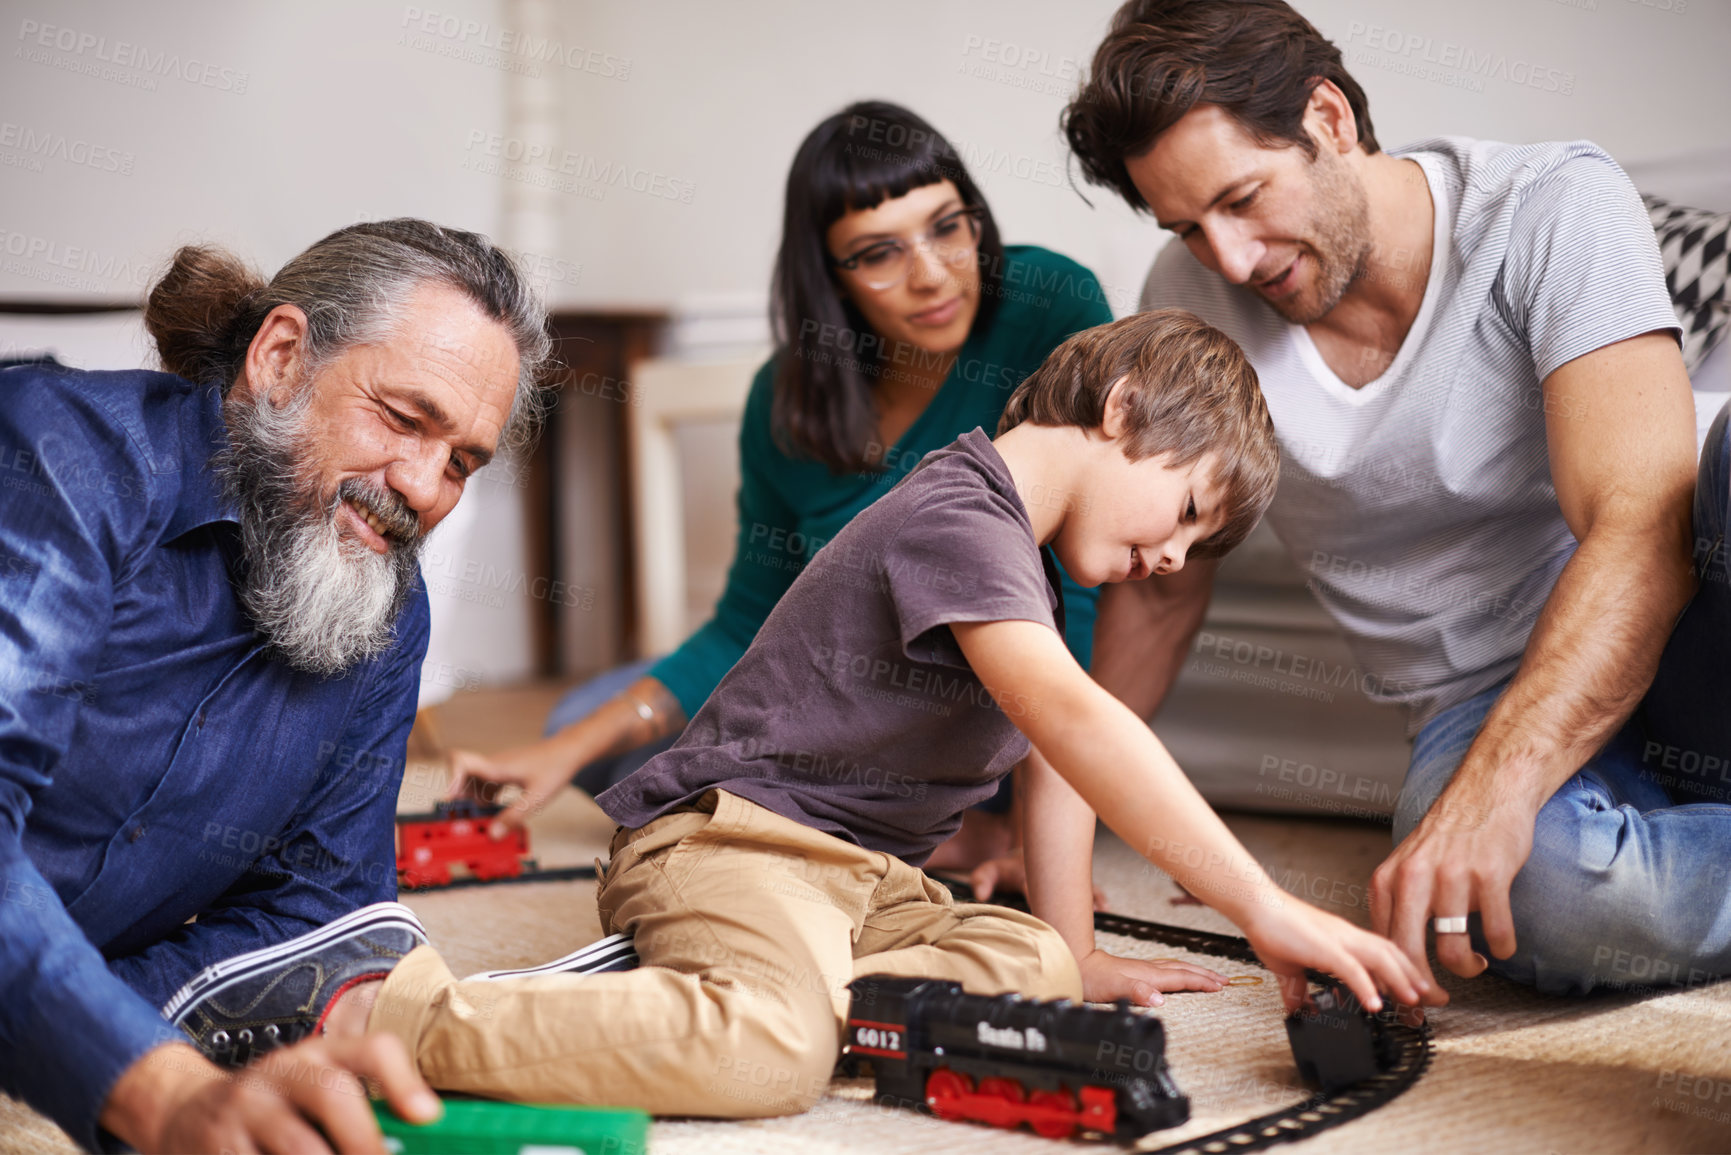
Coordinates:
1057 1066
1062 1068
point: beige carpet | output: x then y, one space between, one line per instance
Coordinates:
1513 1071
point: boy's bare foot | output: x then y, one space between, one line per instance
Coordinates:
983 837
1010 873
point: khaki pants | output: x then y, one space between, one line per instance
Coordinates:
749 926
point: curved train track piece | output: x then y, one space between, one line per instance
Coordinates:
1319 1112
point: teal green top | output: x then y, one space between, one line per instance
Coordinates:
788 507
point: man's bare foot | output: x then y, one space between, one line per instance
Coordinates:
347 1017
983 837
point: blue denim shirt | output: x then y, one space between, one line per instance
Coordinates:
157 764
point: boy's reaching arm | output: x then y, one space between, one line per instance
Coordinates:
1058 841
1116 764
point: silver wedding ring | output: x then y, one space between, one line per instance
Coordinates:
1455 925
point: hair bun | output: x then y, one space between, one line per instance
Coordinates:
194 312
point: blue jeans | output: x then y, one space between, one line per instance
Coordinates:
1629 881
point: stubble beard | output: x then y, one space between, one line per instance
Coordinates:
1339 244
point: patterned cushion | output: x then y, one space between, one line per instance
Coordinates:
1696 247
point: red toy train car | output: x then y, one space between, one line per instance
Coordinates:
1057 1066
455 834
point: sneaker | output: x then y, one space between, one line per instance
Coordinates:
256 1002
613 953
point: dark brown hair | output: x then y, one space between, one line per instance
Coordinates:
205 310
1188 390
1257 59
828 358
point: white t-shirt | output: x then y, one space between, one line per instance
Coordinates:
1420 506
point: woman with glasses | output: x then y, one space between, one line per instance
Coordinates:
901 322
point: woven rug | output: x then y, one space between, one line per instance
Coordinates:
1512 1071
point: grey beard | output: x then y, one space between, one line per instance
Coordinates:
323 603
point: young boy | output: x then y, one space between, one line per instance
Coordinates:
772 855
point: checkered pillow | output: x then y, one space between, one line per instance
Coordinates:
1696 247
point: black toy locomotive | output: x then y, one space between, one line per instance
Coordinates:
1057 1066
1337 1043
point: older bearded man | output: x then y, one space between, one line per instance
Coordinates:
211 630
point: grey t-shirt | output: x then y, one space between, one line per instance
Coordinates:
854 711
1421 505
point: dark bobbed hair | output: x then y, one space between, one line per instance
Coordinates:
1257 59
1188 391
828 356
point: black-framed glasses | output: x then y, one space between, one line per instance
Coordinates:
954 239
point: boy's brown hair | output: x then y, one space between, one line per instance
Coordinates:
1257 59
1188 390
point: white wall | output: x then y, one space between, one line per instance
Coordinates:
718 96
313 117
322 112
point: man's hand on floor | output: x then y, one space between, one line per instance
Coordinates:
1462 858
174 1100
